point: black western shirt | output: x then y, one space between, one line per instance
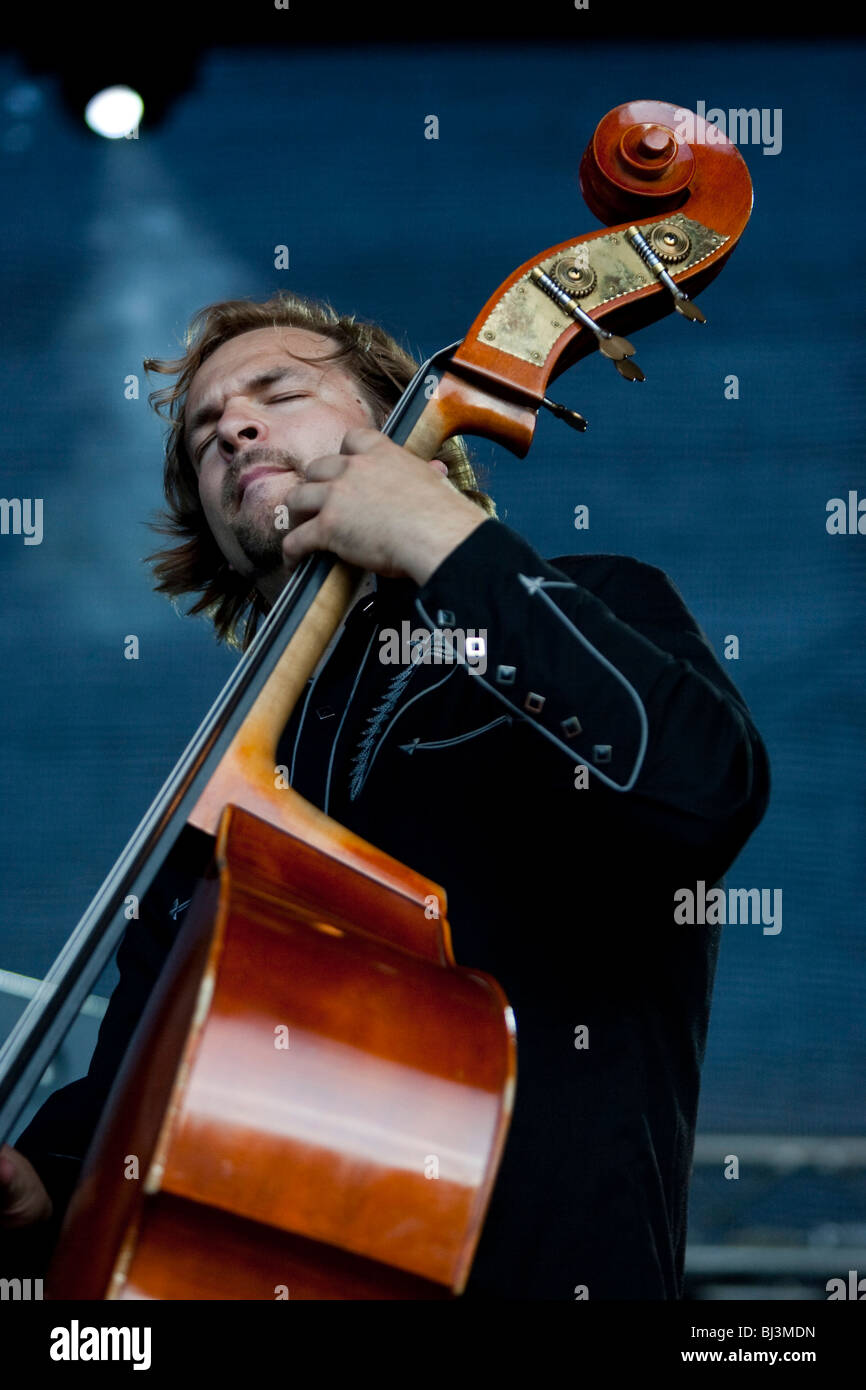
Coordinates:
560 882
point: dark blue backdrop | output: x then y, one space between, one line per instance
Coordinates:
110 246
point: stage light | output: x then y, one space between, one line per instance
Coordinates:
150 73
114 112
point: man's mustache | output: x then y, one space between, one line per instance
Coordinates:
254 458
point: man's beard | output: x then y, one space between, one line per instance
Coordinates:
263 548
261 543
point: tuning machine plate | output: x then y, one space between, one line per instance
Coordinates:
526 325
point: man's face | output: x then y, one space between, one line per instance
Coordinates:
255 418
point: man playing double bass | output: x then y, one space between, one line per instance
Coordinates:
586 758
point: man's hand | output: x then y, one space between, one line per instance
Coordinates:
379 507
23 1199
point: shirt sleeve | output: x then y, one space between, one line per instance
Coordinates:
626 686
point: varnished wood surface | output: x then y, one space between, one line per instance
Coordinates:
376 1131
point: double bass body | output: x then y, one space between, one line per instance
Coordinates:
313 1105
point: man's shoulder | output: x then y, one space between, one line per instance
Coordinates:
627 584
606 567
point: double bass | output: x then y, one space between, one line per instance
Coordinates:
317 1096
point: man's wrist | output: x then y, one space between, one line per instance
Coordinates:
430 550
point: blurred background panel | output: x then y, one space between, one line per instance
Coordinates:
719 470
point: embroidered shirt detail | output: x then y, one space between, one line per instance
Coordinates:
537 587
532 585
395 688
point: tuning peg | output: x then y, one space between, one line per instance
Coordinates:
617 349
688 308
562 412
630 370
682 303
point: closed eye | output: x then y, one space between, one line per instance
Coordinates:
294 396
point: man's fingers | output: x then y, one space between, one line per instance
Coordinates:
13 1172
7 1166
307 499
361 440
303 540
326 468
23 1198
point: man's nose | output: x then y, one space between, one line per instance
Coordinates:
234 437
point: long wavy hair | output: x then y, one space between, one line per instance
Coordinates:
196 565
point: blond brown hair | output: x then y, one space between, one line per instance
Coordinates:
382 369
